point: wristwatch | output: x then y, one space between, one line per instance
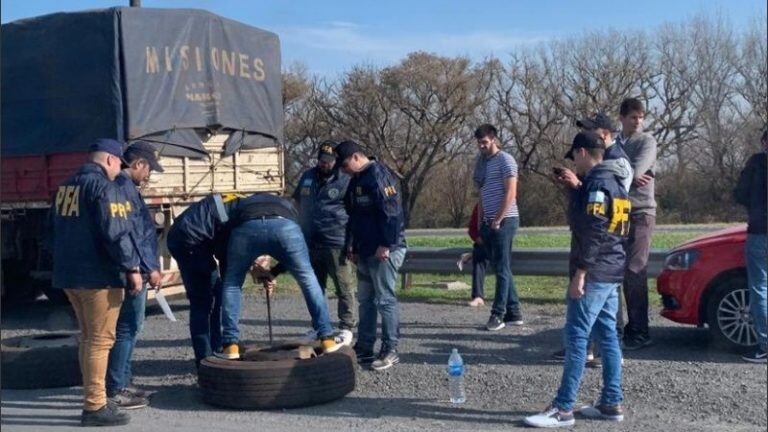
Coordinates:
134 270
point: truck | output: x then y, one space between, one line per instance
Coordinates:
204 90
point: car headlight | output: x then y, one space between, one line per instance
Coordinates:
681 260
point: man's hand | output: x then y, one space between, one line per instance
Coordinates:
576 287
135 283
568 178
261 268
642 180
382 253
156 279
269 285
496 224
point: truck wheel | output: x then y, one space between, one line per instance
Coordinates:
728 317
277 377
40 361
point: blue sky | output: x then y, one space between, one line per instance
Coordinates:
331 36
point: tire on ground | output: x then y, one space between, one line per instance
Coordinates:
40 361
289 383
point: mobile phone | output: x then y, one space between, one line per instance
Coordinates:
650 173
558 171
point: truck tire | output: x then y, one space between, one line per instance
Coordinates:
258 382
728 317
40 361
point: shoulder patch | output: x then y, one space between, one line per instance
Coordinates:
596 197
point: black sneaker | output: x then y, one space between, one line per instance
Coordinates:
126 400
513 319
636 342
603 412
364 356
386 360
108 415
494 323
759 356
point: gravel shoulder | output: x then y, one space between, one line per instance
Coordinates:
679 383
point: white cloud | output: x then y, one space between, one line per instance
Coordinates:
361 43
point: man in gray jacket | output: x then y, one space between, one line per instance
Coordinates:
640 147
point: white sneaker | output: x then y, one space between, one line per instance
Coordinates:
603 412
344 337
551 418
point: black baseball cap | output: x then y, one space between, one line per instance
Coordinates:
144 150
345 149
107 145
326 152
586 139
599 120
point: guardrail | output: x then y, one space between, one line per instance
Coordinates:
528 262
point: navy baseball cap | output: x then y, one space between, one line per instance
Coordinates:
587 139
346 149
326 152
144 150
108 145
599 120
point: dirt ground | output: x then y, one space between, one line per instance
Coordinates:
680 383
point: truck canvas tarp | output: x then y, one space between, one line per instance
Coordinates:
130 73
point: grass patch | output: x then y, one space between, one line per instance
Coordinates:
665 240
530 289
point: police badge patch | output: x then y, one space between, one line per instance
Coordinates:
333 193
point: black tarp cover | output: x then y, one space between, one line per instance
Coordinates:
128 73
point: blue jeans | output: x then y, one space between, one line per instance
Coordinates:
594 312
376 293
499 246
202 283
757 255
129 324
281 239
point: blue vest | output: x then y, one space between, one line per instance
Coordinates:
322 215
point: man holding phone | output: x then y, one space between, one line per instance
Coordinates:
640 147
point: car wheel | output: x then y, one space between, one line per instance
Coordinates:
40 361
728 317
283 376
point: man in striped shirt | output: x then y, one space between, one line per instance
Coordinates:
499 220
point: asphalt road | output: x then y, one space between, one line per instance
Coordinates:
678 384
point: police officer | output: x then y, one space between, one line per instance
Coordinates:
94 257
323 219
377 230
600 223
140 160
259 225
194 241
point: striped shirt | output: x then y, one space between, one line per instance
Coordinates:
498 168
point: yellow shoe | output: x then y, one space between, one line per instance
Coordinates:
329 345
231 351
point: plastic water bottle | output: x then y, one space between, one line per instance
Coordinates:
456 377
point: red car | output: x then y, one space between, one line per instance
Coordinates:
704 281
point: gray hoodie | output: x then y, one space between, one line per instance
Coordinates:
641 150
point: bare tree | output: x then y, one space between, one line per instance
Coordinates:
410 114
